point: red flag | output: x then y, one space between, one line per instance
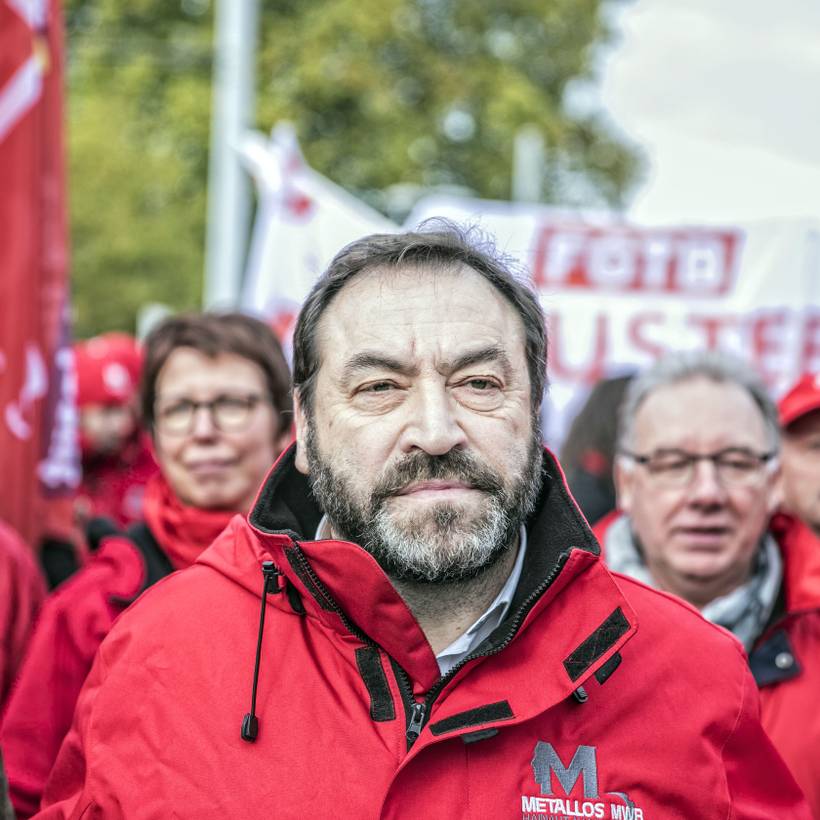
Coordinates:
36 419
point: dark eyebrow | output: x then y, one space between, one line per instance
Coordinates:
493 353
369 360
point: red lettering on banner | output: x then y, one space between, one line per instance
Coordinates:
712 327
590 372
810 352
767 343
636 331
694 263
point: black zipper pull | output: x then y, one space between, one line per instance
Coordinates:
271 576
416 721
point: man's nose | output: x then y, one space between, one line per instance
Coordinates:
706 487
432 425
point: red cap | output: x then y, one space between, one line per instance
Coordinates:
801 399
108 369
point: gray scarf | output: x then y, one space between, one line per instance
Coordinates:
744 611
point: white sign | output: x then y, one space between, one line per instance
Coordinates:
618 296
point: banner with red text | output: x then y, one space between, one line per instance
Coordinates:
37 424
619 295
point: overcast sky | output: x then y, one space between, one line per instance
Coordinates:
724 96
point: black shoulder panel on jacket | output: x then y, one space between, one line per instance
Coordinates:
370 668
596 644
473 717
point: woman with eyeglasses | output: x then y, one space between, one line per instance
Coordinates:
216 399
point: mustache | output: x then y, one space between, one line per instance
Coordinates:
454 465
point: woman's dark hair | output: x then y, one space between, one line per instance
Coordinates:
213 334
437 244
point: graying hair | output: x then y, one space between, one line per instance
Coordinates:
719 367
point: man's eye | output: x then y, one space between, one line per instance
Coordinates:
377 387
668 465
738 463
481 384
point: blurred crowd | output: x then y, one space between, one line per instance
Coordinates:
692 478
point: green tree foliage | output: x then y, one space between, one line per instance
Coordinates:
382 93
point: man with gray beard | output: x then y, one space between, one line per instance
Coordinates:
437 634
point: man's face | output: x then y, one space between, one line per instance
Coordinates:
421 444
699 537
801 469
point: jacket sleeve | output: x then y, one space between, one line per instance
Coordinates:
72 624
66 794
760 786
22 590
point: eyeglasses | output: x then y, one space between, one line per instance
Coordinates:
734 466
229 414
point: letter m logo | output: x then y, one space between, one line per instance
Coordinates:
546 762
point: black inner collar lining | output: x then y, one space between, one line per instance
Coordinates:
286 503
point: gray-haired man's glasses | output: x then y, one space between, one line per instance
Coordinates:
734 466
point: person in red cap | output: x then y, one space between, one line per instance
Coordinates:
117 460
800 421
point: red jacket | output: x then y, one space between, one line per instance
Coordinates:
573 708
113 487
22 590
73 623
785 659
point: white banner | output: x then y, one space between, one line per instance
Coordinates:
618 296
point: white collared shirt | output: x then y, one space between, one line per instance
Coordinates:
468 641
495 613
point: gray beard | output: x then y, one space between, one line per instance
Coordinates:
446 545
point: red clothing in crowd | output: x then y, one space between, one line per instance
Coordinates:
113 486
73 622
596 697
786 657
22 590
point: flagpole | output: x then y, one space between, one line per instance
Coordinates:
235 26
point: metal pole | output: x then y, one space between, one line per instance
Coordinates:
229 192
528 165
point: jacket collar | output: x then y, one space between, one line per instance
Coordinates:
343 586
801 555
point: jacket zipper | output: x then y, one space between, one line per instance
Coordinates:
329 599
418 712
418 716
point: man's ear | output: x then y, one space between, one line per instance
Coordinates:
624 477
301 423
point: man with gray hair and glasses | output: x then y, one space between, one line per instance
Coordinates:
697 477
